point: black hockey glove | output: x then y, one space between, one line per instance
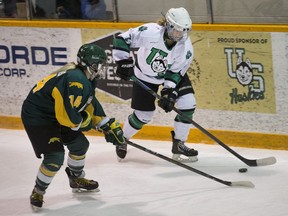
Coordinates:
113 132
87 121
125 69
168 99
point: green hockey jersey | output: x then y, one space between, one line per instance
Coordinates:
60 98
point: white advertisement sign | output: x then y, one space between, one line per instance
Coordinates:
27 55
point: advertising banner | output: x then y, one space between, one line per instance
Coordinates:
29 54
230 71
233 71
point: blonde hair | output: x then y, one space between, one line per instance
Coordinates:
161 21
68 66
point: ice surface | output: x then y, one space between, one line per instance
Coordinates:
146 185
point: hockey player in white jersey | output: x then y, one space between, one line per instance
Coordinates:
164 55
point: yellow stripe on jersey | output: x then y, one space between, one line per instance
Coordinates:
95 119
47 172
76 157
90 109
42 82
60 111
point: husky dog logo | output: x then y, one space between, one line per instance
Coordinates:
244 73
255 83
159 64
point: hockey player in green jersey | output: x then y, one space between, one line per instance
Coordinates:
164 54
57 110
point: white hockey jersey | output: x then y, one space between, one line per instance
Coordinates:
154 58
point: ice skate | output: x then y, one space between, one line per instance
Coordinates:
81 184
180 149
36 199
121 151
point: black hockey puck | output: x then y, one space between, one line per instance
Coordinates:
243 170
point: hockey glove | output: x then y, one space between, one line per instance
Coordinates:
113 132
86 123
168 99
125 69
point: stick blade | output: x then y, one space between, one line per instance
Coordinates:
266 161
246 184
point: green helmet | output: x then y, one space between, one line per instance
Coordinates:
93 58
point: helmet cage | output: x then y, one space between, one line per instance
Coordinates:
97 70
175 34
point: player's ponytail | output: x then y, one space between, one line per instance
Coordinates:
161 21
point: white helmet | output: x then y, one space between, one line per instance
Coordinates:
178 23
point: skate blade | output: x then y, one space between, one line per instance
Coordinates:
81 190
119 159
35 208
184 159
121 155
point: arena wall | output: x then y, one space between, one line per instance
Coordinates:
239 113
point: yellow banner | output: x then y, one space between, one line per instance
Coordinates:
233 71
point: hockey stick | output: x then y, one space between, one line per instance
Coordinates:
228 183
249 162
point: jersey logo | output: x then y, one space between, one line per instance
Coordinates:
188 54
54 139
157 61
159 64
76 84
142 28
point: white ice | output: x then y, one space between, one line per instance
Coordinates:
144 184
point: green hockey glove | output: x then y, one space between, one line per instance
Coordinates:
113 132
